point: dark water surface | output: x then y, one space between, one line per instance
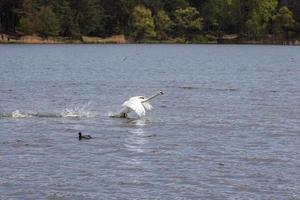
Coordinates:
228 126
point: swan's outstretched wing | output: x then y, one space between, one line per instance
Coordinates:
147 105
136 105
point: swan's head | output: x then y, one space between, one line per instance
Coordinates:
161 92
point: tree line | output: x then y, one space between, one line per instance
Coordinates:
188 20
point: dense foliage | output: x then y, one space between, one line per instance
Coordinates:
151 19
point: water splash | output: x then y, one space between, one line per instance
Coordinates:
140 122
136 122
110 114
71 112
77 112
18 114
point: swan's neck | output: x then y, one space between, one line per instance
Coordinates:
151 97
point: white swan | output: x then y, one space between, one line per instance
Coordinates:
138 104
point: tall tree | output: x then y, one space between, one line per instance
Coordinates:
25 26
142 23
89 14
260 15
47 23
188 22
222 16
293 5
163 25
283 22
69 26
28 15
117 13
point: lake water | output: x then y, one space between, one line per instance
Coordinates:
228 126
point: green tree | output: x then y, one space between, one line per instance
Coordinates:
171 6
25 26
68 24
89 14
283 22
294 6
28 16
253 26
163 25
117 14
260 14
223 16
188 22
142 23
47 23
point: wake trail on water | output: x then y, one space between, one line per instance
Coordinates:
69 112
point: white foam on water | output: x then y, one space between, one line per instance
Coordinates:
77 112
69 112
110 114
18 114
141 122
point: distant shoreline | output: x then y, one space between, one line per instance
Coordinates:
121 39
33 39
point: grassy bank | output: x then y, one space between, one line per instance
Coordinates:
121 39
32 39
